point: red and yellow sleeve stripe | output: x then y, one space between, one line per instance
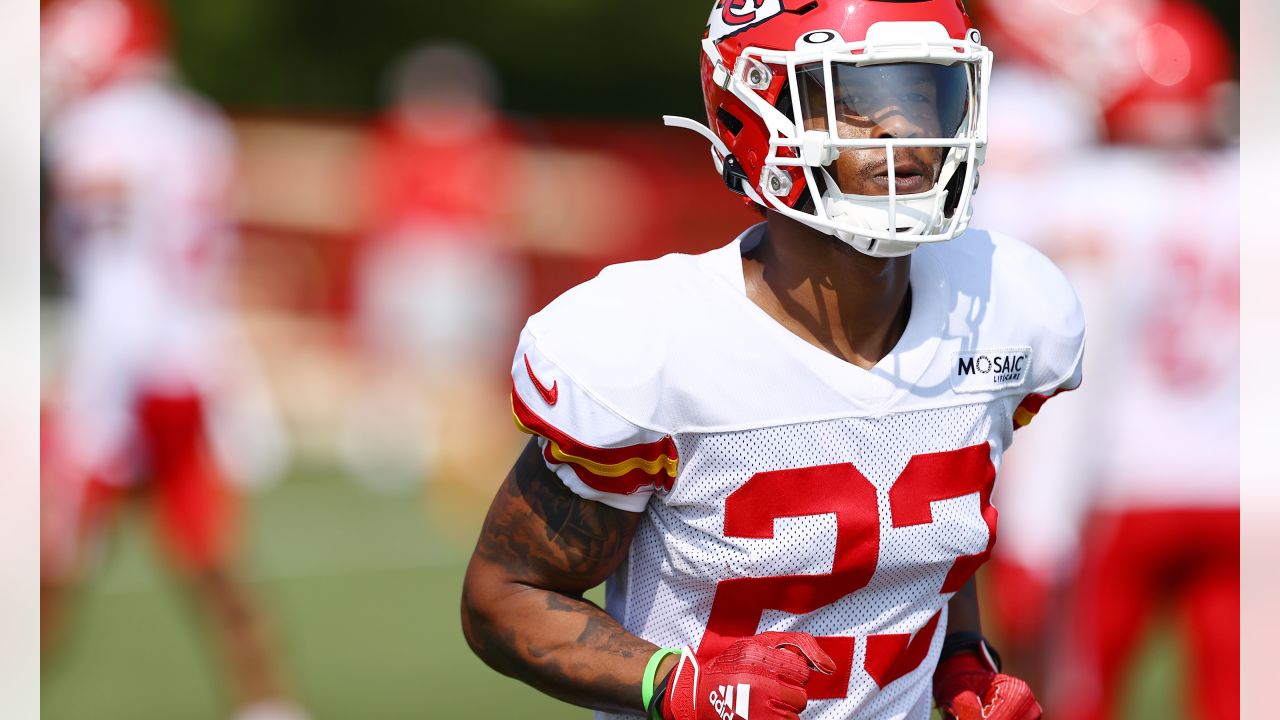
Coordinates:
621 471
1030 407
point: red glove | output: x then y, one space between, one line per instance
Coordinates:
967 687
760 678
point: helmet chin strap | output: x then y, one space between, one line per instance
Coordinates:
908 215
868 245
876 248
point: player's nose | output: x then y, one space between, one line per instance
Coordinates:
891 122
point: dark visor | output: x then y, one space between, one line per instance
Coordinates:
909 99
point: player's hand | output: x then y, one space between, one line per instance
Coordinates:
967 688
761 677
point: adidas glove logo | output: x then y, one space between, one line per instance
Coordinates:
728 706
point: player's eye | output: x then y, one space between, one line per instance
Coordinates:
854 104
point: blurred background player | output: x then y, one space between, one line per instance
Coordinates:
141 174
437 289
1122 510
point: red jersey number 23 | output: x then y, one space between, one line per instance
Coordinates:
842 489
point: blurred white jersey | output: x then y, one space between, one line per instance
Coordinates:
1151 240
785 489
1170 279
141 172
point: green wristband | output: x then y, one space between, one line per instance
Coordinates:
646 685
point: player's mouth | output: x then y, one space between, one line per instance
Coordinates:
909 177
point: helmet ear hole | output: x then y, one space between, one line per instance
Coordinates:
731 123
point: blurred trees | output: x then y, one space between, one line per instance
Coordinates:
556 57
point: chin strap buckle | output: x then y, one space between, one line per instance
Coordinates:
730 169
733 175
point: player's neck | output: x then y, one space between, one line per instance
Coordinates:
852 305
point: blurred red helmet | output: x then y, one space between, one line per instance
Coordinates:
770 68
1184 83
1083 41
86 44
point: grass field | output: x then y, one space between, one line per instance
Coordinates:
364 589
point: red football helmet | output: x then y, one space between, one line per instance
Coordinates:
86 44
1184 87
864 119
1084 41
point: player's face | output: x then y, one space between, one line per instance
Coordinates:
898 100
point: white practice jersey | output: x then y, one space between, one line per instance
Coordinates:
141 173
1150 240
783 488
1166 409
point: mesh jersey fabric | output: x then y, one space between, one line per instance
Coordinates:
784 489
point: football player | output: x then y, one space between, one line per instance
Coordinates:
436 291
779 455
141 173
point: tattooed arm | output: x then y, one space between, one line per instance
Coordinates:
523 612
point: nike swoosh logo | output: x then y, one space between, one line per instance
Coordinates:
550 395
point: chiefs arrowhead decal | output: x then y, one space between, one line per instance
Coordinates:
731 16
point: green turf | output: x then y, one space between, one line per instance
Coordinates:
365 591
1157 672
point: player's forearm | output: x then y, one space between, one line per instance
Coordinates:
564 646
540 548
962 610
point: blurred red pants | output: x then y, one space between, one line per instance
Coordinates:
194 506
1135 565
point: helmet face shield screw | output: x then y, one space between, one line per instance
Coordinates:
776 182
754 74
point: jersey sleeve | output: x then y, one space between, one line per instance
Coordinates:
1059 344
597 453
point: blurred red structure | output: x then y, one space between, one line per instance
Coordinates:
602 193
